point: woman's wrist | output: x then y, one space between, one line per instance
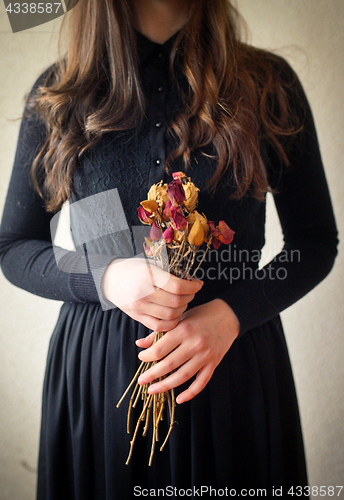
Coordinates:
107 279
229 316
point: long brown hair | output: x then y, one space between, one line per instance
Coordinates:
235 97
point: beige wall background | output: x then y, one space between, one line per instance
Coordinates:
310 35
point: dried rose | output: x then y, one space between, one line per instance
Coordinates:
178 236
196 234
145 216
178 176
215 232
226 233
178 220
194 216
176 192
155 232
168 235
150 205
221 233
191 196
216 243
167 211
159 194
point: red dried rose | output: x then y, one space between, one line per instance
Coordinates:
178 176
176 192
168 234
167 211
221 233
178 220
145 216
155 232
226 233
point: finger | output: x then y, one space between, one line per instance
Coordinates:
146 341
183 374
173 284
168 299
175 359
161 348
203 377
160 312
155 324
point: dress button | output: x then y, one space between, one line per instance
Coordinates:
160 55
160 89
158 124
158 161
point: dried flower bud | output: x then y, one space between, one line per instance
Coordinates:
176 193
144 216
191 196
179 176
155 232
168 235
166 215
149 205
196 234
193 216
178 220
178 236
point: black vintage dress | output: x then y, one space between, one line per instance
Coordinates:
243 430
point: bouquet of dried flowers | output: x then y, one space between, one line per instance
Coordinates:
177 232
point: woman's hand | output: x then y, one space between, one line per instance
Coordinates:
148 294
196 345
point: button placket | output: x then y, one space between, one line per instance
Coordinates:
157 116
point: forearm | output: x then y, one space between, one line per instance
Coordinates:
31 265
264 293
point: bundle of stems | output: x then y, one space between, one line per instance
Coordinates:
181 259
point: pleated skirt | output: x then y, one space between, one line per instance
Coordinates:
242 432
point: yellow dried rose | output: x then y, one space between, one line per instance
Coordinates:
196 216
191 196
196 234
159 194
178 236
149 205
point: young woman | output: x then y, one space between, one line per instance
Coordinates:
149 87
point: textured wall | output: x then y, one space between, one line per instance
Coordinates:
310 35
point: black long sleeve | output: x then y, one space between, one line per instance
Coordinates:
309 230
26 252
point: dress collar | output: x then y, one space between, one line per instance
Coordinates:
146 47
